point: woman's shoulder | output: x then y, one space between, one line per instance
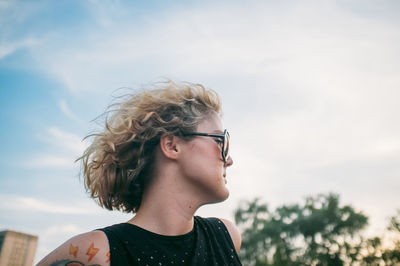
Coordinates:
87 248
234 233
232 229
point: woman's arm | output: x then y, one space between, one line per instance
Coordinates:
90 248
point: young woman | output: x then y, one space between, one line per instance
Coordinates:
162 155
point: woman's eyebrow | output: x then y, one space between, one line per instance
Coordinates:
218 131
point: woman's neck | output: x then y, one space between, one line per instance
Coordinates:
166 208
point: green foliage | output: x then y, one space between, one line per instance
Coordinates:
317 232
394 224
389 256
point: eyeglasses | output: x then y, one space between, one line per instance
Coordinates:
223 140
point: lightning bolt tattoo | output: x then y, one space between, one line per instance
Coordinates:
73 250
92 251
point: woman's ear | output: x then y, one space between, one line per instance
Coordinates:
169 145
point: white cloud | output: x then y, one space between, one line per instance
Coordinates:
70 229
12 16
65 147
67 140
318 49
20 203
47 160
9 48
66 110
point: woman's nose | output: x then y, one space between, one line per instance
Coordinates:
229 161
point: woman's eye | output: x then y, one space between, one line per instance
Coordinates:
219 141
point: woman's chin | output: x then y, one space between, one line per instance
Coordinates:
224 195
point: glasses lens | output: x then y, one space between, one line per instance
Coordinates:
226 145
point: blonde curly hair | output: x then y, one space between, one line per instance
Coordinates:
117 165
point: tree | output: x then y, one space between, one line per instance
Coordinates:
377 254
389 256
317 232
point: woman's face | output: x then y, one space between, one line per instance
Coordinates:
202 162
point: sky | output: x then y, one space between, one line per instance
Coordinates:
310 92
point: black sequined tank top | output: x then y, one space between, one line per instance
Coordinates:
209 243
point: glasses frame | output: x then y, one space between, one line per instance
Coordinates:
225 141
